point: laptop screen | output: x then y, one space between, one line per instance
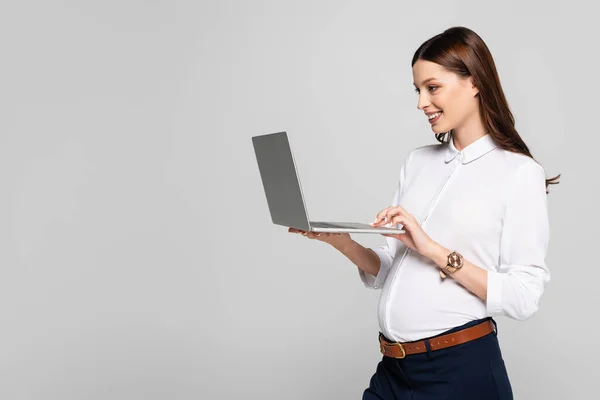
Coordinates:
280 180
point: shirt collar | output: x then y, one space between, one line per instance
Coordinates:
472 152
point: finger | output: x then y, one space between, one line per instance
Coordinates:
384 216
399 210
381 216
391 213
403 211
399 219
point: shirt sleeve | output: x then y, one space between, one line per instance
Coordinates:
514 290
387 251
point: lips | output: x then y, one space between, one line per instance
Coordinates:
437 115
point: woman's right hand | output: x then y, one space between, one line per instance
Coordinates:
337 240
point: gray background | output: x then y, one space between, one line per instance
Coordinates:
137 253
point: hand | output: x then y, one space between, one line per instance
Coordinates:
337 240
415 237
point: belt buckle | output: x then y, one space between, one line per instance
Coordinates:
395 344
401 348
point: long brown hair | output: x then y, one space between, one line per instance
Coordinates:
462 51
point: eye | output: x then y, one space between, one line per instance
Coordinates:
432 88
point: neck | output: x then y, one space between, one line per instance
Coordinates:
468 132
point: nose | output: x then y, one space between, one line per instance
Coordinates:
423 101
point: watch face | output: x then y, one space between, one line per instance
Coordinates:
455 260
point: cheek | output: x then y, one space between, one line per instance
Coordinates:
454 106
443 101
449 117
446 105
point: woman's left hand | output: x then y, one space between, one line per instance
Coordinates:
414 237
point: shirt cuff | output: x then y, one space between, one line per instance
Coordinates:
495 283
376 281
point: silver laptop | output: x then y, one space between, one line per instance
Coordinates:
284 193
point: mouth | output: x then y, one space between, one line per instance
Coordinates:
433 118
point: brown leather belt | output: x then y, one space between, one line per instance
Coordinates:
401 350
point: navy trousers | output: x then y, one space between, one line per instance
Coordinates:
469 371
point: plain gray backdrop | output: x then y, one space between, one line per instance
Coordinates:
138 256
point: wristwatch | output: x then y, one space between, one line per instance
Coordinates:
455 262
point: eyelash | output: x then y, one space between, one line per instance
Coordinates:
431 86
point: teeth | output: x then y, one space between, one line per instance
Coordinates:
432 116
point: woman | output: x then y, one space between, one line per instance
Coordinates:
476 235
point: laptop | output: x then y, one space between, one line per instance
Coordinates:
284 194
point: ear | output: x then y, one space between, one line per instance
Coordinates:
474 88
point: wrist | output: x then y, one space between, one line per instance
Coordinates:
439 255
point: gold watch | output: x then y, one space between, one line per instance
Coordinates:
455 262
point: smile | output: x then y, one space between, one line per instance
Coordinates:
433 118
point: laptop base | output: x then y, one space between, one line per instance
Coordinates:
351 227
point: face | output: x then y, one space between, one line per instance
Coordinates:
443 91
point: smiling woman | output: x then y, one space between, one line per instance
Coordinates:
474 209
474 212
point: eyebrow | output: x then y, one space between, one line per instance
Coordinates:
425 81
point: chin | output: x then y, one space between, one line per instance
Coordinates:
437 129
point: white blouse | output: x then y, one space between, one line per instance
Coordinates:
484 202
